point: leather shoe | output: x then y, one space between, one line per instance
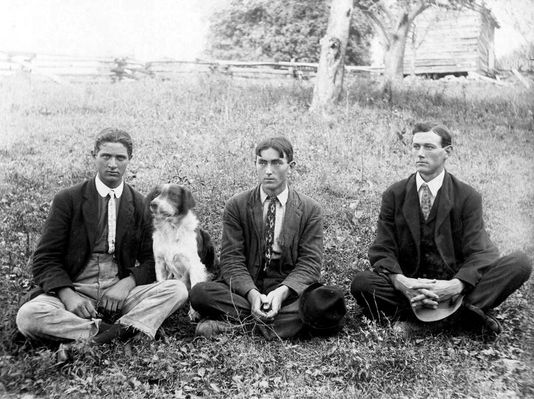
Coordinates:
208 328
488 322
113 332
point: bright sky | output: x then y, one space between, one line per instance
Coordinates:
144 29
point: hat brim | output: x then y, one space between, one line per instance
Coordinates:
444 309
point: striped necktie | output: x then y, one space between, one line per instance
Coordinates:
426 200
112 221
269 230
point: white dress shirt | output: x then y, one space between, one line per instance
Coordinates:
434 185
104 190
113 209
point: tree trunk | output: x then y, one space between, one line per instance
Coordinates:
394 56
329 80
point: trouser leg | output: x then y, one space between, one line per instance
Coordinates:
502 278
287 322
147 306
214 299
45 317
376 295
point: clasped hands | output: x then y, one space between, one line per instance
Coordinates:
112 300
266 307
428 293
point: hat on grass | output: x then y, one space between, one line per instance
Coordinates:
322 308
444 309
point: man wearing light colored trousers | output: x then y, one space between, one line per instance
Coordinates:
85 261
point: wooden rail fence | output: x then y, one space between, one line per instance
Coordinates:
63 68
71 69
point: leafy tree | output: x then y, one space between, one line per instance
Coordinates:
280 30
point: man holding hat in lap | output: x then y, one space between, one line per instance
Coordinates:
271 256
432 256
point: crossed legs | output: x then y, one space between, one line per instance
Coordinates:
145 309
375 293
215 300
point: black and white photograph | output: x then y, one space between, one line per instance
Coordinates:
265 199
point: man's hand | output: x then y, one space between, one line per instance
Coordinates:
446 289
77 304
114 297
257 302
418 291
426 292
275 299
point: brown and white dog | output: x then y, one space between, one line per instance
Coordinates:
182 250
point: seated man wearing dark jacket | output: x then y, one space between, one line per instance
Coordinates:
431 253
85 261
272 251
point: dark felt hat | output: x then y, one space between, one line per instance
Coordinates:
322 308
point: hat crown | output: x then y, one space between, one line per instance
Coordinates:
322 308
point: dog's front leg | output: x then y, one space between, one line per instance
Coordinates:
193 314
161 270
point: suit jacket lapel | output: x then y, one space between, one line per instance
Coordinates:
90 212
410 210
255 214
291 220
445 202
125 216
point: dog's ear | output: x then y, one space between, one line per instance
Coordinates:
188 202
148 199
153 194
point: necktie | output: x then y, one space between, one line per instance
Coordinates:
269 230
426 200
112 221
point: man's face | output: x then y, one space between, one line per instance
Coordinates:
111 161
429 155
272 171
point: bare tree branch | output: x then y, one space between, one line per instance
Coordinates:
382 29
385 10
421 6
373 9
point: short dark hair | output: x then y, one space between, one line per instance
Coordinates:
279 143
113 135
440 130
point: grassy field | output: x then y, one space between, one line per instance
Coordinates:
201 133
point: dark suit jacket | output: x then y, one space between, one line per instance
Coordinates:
460 236
301 241
69 236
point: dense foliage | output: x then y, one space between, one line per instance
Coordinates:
281 31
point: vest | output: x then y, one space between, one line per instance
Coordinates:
431 265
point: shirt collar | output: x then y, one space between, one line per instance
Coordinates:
104 190
282 197
434 185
